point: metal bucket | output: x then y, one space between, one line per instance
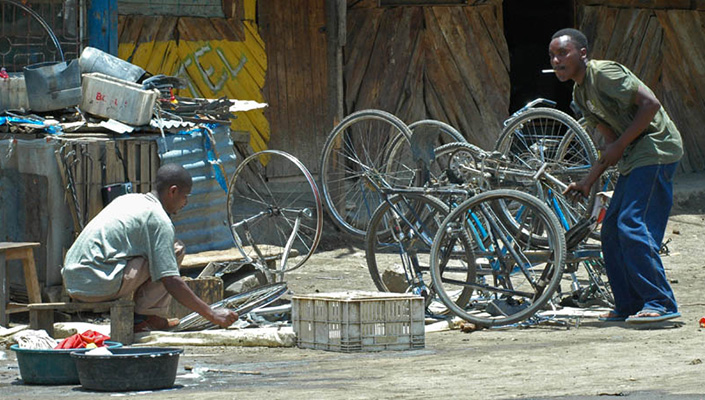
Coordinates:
53 85
94 60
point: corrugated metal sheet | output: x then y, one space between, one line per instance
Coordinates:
200 225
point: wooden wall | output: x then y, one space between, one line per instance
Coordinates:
296 88
449 63
664 47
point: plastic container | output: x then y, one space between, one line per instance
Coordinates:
53 85
359 321
128 369
13 92
50 367
94 60
121 100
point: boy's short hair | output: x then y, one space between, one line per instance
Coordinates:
172 174
576 37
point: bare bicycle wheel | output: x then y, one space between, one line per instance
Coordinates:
513 278
278 219
355 165
241 303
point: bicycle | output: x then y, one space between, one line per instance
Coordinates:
507 274
400 236
467 163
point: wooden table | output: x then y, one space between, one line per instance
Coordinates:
24 252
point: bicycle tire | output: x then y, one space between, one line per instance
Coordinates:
354 160
541 136
390 257
400 149
523 278
296 205
241 303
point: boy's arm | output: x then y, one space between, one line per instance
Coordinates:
648 105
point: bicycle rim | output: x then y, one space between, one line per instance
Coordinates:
354 164
546 136
241 303
291 213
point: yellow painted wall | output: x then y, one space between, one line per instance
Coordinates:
213 69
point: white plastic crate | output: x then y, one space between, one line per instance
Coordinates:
359 321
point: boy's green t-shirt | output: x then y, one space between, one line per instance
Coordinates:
132 225
607 95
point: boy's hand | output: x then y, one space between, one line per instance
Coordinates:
224 317
575 189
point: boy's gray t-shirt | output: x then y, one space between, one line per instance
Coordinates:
132 225
607 96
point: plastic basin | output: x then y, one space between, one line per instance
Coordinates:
128 369
50 367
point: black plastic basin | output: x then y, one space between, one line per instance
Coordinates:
128 369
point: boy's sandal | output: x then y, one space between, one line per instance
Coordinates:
647 315
611 316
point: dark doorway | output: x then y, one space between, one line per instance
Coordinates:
528 27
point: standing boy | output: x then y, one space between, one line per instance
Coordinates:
645 144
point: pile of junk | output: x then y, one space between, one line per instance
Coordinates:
101 91
77 100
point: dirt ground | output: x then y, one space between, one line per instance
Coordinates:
582 359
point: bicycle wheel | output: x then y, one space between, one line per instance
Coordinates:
281 219
544 136
240 303
426 135
514 278
399 259
354 165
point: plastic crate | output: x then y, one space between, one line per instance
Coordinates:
359 321
124 101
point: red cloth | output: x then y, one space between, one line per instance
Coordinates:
80 340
